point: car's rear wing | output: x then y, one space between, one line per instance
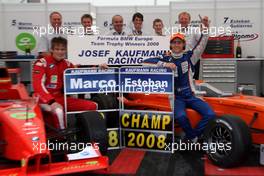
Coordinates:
210 91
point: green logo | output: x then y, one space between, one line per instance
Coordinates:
25 41
23 115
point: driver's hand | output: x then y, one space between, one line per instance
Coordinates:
122 99
55 106
103 66
170 65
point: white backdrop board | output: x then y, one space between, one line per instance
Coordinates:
244 18
262 44
204 8
18 18
150 13
104 17
115 50
71 13
2 39
92 10
262 29
21 19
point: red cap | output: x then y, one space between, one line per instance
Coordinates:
177 35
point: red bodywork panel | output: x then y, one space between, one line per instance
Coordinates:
23 131
59 168
17 130
9 91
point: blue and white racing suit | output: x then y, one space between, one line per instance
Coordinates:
184 88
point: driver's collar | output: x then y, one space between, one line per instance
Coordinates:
176 55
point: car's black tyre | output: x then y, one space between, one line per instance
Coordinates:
92 129
104 101
108 101
234 134
99 99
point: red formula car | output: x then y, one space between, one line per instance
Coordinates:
30 146
240 120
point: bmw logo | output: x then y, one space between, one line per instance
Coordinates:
35 138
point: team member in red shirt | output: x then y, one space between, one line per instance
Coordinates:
48 83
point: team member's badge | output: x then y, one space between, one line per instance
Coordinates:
184 66
51 65
54 79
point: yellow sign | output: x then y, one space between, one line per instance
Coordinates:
146 121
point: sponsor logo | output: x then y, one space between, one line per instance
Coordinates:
85 153
23 162
54 79
91 162
245 37
86 164
23 115
25 41
32 132
35 138
51 66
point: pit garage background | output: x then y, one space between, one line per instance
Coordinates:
249 25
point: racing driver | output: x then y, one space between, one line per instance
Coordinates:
182 63
48 83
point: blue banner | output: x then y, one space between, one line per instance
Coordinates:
146 80
91 81
132 80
